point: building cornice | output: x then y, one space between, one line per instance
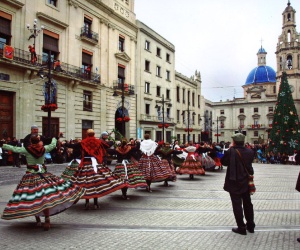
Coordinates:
14 3
50 19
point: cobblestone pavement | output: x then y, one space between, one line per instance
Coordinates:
189 214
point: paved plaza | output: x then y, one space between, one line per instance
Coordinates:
189 214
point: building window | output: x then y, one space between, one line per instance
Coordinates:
222 112
168 75
168 57
87 24
183 116
158 52
87 101
255 110
168 112
270 122
183 95
242 123
198 101
147 109
50 44
270 109
274 89
147 45
158 91
127 1
241 111
178 94
255 133
53 2
121 75
121 43
86 124
168 94
158 71
222 125
255 122
87 65
178 116
147 66
147 87
5 29
193 99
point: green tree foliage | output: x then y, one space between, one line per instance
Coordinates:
284 135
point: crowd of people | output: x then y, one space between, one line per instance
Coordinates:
138 165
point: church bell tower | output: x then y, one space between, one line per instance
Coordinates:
288 52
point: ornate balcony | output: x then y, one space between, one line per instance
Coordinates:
155 119
89 35
128 89
23 58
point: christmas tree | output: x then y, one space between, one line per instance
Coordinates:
284 136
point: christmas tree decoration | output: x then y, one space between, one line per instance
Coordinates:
285 122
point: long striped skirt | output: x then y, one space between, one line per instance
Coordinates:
170 166
39 191
97 184
70 170
153 169
191 166
131 174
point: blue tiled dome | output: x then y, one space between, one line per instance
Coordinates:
261 74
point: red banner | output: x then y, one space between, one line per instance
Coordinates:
8 52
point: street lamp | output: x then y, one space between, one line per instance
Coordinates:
34 31
124 87
49 91
163 124
188 120
217 129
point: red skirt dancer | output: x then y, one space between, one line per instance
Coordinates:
39 190
130 173
98 181
153 169
191 166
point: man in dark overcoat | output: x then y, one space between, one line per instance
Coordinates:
238 160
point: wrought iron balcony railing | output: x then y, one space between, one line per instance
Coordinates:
155 118
89 34
128 89
24 57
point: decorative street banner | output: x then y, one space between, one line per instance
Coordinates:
8 52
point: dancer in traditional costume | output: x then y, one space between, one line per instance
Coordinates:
127 167
178 159
165 153
39 192
191 165
150 164
97 179
202 154
74 164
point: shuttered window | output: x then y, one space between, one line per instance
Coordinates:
50 43
5 26
86 58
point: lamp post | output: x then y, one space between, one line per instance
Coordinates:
123 132
217 129
188 120
34 31
164 125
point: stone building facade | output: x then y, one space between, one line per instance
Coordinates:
95 42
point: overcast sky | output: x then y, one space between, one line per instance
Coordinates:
219 38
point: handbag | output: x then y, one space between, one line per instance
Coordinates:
298 183
251 185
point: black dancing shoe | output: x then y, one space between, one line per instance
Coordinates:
298 239
250 230
238 230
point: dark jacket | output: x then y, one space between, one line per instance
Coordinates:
236 180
